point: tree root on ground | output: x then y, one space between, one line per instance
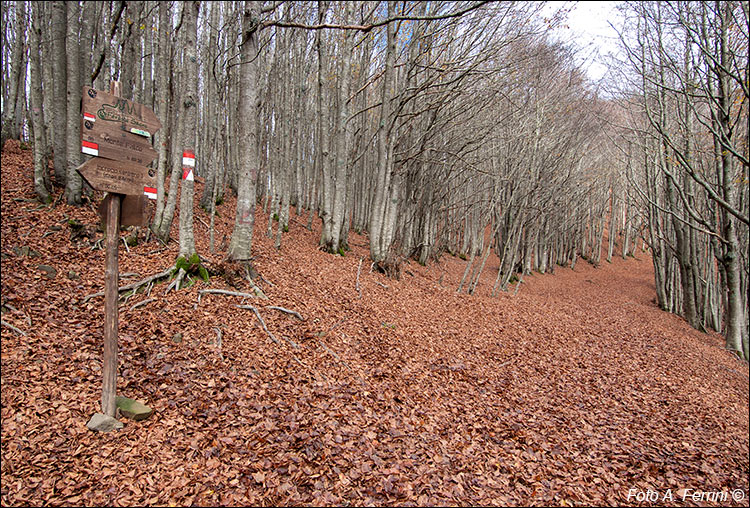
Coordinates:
223 292
287 311
17 330
135 285
276 341
176 284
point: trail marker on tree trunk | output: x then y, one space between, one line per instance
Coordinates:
188 164
113 132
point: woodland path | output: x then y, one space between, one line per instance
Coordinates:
572 392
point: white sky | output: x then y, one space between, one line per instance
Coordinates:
587 26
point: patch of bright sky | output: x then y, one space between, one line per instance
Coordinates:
587 27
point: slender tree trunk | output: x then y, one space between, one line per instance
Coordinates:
326 210
74 182
88 17
735 306
162 94
211 115
10 129
384 164
37 106
242 235
59 86
176 81
188 115
47 77
342 145
130 58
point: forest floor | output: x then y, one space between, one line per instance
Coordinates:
577 390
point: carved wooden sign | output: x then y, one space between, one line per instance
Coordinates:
108 140
104 108
117 176
117 133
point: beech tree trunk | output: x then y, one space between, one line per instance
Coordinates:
59 85
242 235
383 172
162 135
342 144
41 179
10 127
74 182
188 115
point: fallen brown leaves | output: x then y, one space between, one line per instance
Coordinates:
570 393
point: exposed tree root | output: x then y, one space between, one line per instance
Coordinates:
287 311
235 273
223 292
359 269
218 342
390 266
176 284
274 339
18 331
135 285
142 303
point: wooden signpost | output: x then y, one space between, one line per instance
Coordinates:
108 108
117 133
110 175
133 210
111 142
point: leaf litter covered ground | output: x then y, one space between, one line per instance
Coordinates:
571 392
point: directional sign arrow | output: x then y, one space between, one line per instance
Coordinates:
117 176
106 108
109 140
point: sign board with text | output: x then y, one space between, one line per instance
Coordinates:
109 140
104 108
118 176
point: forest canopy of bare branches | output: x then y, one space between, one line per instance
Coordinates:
426 125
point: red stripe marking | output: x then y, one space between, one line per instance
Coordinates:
89 144
189 154
89 115
149 189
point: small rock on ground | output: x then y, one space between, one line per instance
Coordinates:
103 423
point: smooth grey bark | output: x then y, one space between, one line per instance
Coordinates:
41 183
735 324
284 174
88 16
59 87
188 115
10 127
383 171
326 208
163 228
74 182
211 117
242 235
342 140
129 65
47 75
162 95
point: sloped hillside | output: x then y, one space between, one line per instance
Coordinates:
577 390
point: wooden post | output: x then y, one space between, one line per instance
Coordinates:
111 313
